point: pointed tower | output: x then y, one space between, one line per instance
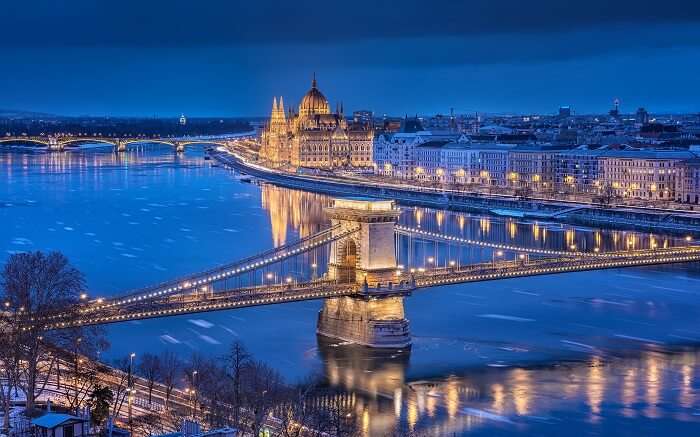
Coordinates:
281 109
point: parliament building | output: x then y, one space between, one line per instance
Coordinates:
314 137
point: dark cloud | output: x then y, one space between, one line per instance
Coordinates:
177 23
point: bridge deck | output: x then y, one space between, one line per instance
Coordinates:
403 284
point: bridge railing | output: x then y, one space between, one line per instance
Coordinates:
517 268
223 272
453 239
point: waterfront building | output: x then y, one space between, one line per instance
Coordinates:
688 190
577 170
644 174
315 137
395 153
492 164
532 166
430 166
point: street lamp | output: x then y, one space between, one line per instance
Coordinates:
194 393
130 384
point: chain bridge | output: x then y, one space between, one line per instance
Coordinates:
354 267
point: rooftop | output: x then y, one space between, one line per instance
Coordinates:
53 420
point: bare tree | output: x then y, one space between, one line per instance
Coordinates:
37 284
170 372
212 391
608 195
340 417
149 369
263 389
238 360
119 383
296 413
10 359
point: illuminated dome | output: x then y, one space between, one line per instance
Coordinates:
313 102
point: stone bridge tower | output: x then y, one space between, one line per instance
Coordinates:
369 254
366 257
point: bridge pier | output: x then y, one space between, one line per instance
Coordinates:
366 257
179 147
120 146
378 323
56 145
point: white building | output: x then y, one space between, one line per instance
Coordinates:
395 153
688 180
644 174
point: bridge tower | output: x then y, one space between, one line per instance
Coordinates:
367 258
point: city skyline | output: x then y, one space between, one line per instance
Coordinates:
474 57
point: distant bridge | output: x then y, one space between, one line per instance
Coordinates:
364 286
120 144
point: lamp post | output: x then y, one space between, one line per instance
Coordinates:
130 389
194 393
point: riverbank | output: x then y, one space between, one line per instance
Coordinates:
633 218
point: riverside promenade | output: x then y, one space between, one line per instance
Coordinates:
624 217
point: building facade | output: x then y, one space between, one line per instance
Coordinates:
315 137
648 175
688 190
577 170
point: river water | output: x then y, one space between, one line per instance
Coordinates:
597 352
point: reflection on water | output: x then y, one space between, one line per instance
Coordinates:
538 355
298 210
597 393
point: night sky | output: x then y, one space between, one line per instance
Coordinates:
229 58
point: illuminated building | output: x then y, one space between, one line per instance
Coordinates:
648 175
314 137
